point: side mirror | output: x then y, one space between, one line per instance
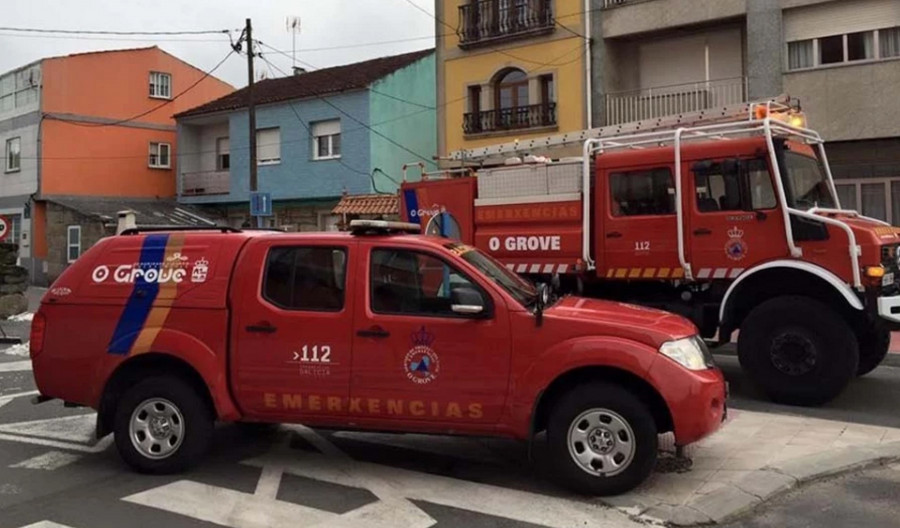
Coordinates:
466 300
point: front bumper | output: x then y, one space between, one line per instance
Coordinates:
696 399
889 308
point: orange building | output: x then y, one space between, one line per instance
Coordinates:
90 132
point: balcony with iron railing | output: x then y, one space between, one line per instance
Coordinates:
514 118
205 183
660 101
485 22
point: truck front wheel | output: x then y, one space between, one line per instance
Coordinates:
797 350
874 342
162 426
602 439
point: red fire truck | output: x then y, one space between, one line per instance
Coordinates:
727 216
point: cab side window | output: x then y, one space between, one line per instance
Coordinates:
306 278
412 283
743 185
642 193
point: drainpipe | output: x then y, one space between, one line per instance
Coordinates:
587 63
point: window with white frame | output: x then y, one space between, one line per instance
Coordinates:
160 156
13 154
74 243
268 146
326 139
875 197
223 156
161 85
844 48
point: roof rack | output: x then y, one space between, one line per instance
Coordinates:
382 227
162 229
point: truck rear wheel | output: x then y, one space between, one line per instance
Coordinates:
162 426
799 351
874 342
602 439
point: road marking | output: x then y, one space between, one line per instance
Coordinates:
10 397
46 524
15 366
73 433
269 482
49 461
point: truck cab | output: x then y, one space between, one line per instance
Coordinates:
377 329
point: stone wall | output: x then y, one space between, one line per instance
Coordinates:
13 282
59 219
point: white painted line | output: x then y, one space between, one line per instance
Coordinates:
46 524
269 482
227 507
10 397
79 429
49 461
97 448
16 366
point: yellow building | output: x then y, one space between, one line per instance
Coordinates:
509 69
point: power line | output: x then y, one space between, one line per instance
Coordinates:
111 39
353 118
95 32
155 108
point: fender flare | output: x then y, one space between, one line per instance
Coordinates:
818 271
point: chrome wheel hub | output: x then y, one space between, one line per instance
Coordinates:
601 442
156 428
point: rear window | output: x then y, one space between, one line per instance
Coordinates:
310 278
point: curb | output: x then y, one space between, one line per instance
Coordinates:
760 486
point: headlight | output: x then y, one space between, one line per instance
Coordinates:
690 352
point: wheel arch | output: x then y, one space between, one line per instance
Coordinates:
586 374
783 277
142 366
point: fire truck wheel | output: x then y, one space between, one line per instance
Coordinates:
162 425
874 342
797 350
602 439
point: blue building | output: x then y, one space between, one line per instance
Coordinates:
345 130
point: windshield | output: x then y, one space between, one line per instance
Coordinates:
807 182
521 289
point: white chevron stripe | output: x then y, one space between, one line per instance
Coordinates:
720 273
535 268
563 268
704 273
548 268
735 272
522 268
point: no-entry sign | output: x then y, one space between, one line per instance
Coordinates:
4 228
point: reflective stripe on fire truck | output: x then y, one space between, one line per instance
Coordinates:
539 268
671 273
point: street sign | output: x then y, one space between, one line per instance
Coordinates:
5 228
260 204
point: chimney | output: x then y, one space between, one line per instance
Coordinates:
299 71
126 221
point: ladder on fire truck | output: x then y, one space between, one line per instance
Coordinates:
776 117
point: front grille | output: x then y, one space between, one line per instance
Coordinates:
889 256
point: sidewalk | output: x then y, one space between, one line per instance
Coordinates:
754 457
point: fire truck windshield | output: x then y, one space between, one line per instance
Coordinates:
806 181
521 289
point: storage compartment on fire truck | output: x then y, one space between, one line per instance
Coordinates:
529 215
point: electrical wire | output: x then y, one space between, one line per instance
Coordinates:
110 39
93 32
150 111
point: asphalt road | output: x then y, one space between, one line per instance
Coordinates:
52 475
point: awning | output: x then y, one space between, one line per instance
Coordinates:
368 204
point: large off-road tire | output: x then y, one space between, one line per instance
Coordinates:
162 425
874 342
798 350
602 439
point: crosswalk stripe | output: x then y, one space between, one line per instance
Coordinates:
48 461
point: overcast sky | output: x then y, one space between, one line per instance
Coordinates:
324 24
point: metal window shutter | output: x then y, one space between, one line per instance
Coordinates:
326 128
836 18
268 144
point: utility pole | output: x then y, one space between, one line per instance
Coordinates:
251 114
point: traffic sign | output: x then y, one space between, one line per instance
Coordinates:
260 204
5 228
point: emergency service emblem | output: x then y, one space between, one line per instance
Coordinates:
421 362
736 248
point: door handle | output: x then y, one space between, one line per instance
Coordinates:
375 331
613 234
262 327
702 231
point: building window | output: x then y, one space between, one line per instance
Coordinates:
511 90
160 156
223 157
861 46
326 139
831 49
643 193
268 146
13 154
875 197
160 85
889 42
74 243
306 278
800 54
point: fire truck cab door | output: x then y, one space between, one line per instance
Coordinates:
733 217
637 232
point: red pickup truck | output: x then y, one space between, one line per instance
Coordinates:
166 332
